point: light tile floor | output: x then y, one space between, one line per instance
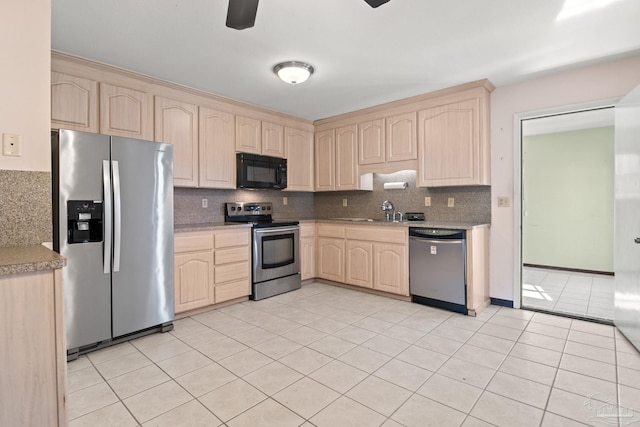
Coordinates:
328 356
580 294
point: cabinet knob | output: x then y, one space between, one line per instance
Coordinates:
637 240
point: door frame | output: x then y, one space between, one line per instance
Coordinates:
518 118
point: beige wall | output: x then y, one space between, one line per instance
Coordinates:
25 49
592 83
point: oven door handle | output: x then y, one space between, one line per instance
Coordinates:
275 230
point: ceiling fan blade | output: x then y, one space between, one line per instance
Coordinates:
241 14
376 3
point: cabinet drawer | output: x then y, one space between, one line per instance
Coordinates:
232 290
231 238
377 234
228 256
325 230
232 272
307 230
189 242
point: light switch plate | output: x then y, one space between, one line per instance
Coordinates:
11 145
344 202
285 201
450 202
205 203
427 201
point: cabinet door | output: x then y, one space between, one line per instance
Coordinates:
193 280
347 158
331 259
299 153
449 145
248 135
272 139
390 268
177 124
217 149
359 269
325 161
402 142
125 112
372 142
307 258
74 103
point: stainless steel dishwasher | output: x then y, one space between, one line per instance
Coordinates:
438 268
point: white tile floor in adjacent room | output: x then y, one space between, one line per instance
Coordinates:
579 294
331 357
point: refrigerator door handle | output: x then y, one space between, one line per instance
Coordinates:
108 220
117 215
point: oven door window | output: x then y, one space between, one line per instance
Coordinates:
278 250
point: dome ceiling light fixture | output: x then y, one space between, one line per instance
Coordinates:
293 72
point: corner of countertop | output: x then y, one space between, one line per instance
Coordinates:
29 258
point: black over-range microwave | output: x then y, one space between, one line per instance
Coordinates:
256 171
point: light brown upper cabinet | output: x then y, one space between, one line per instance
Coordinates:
176 123
347 158
272 140
336 161
299 154
372 142
402 138
248 135
325 155
125 112
74 103
452 151
259 137
217 149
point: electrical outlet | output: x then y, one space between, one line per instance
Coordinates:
344 202
285 201
427 201
205 203
450 202
504 202
11 145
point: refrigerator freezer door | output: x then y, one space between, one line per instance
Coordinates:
142 288
78 160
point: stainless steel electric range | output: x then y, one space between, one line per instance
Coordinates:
275 249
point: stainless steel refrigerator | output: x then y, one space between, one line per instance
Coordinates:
113 221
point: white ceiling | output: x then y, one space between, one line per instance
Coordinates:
362 56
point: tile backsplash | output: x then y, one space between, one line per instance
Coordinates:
25 208
471 204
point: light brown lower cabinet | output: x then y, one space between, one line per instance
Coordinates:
372 257
307 251
33 356
211 267
359 263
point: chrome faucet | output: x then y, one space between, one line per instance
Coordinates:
386 207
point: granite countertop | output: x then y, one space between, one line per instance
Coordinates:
25 259
184 228
379 223
425 224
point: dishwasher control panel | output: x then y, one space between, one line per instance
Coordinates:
438 233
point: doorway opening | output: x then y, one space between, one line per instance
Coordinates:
566 212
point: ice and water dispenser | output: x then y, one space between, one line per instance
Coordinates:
84 221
